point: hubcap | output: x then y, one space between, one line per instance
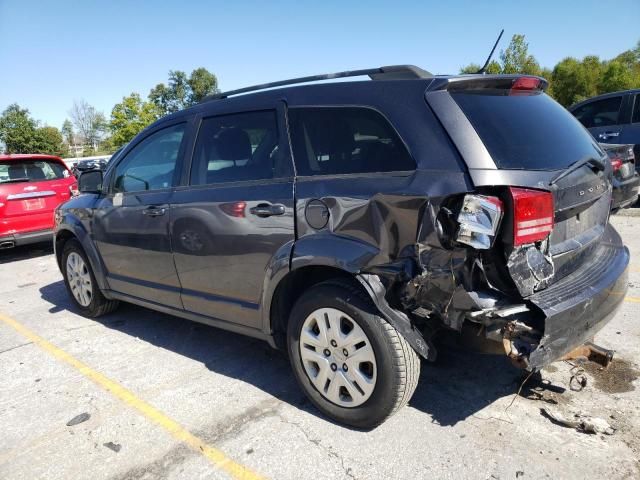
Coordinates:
328 330
79 279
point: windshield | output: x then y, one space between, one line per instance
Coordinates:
31 171
527 132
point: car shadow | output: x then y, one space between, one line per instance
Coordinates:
457 386
25 252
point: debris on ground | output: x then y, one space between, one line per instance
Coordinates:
578 379
83 417
581 422
113 446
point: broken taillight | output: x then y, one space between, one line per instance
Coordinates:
532 215
479 220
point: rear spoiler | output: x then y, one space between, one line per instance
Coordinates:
490 82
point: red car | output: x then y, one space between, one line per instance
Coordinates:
31 187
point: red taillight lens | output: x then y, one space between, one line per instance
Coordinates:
525 84
616 163
234 209
532 215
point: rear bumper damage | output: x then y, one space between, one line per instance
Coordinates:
535 330
578 306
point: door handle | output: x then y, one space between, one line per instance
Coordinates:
267 210
154 211
607 135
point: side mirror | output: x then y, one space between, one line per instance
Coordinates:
90 182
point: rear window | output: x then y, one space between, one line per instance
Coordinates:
31 171
343 140
528 132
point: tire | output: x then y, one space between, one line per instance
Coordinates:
77 269
396 366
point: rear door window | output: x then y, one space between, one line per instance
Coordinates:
237 147
600 113
344 140
530 132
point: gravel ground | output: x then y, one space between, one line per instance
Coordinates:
238 395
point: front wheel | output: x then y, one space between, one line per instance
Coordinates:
352 364
81 282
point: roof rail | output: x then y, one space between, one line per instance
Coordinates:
392 72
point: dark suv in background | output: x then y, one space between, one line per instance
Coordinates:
349 223
612 117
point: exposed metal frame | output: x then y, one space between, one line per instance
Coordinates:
391 72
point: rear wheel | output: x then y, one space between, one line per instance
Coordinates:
352 364
81 282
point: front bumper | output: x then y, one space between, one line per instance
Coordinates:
625 192
576 307
25 238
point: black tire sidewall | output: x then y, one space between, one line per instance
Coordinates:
73 246
384 397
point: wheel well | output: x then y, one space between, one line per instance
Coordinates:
292 287
61 238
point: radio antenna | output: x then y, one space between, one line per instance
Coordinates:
486 64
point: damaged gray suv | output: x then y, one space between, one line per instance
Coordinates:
348 223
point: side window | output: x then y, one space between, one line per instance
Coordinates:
340 140
237 147
151 164
636 110
600 113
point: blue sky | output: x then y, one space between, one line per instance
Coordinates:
52 52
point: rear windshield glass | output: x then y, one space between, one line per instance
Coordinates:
530 132
31 171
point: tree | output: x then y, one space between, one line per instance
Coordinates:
616 76
17 130
516 58
202 83
493 68
569 82
49 140
182 91
67 132
130 117
90 124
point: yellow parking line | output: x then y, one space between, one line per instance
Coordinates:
632 299
212 454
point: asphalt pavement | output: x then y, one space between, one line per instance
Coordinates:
142 395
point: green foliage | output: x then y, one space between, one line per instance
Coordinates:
569 82
21 134
49 140
493 68
516 58
182 91
616 76
17 130
201 83
130 117
67 131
